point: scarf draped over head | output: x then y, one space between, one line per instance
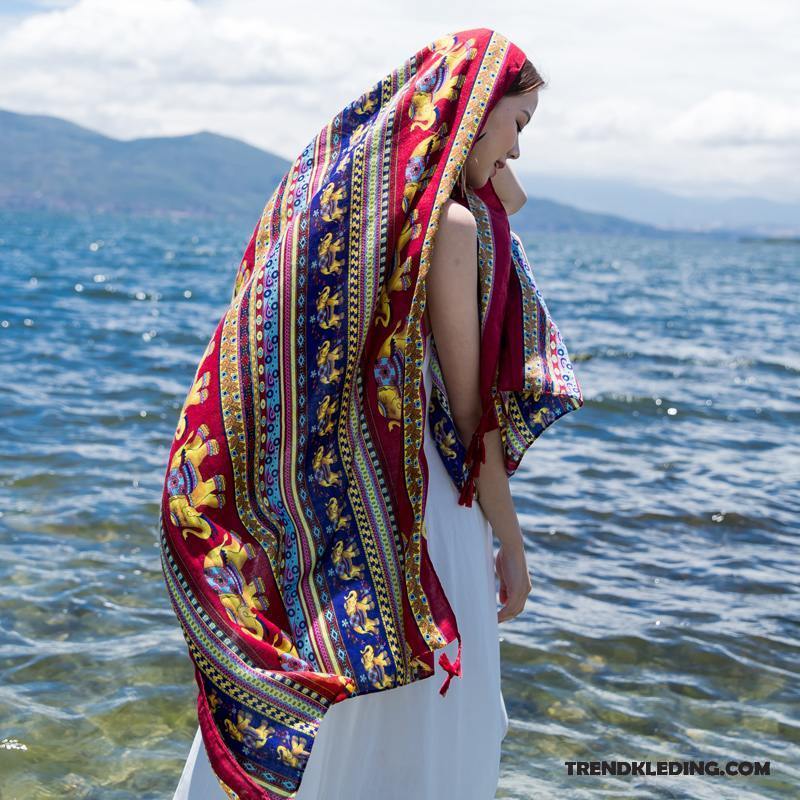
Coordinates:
293 541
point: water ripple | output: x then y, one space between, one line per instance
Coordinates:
660 519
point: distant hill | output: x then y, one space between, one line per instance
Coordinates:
653 206
539 214
54 164
51 163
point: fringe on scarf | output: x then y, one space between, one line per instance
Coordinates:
476 455
453 668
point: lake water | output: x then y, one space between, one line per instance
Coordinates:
661 519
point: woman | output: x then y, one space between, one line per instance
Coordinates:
484 326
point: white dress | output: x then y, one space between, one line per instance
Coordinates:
411 741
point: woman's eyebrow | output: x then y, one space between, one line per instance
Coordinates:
524 111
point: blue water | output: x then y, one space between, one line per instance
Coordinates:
661 518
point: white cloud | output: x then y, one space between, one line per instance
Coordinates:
738 119
683 95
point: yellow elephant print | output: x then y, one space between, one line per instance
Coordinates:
346 568
327 254
399 279
213 701
419 169
244 732
223 567
326 308
294 755
356 609
365 105
321 466
375 665
444 439
188 492
197 394
334 511
440 83
327 358
325 415
329 203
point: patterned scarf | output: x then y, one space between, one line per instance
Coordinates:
526 378
292 525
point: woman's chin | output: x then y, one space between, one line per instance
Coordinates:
479 183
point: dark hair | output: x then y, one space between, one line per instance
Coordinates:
528 79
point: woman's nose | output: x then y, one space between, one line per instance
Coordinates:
515 152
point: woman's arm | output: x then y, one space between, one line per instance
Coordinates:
452 292
509 190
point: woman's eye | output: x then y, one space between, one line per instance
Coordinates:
519 130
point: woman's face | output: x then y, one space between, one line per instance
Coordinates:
499 139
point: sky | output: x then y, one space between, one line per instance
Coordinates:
699 98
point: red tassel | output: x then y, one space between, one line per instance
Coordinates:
476 455
467 493
453 668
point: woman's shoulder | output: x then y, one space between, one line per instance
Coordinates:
456 236
457 218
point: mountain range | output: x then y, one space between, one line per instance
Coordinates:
51 163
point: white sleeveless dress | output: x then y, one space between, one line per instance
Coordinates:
411 741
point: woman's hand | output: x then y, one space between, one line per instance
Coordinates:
515 581
509 190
